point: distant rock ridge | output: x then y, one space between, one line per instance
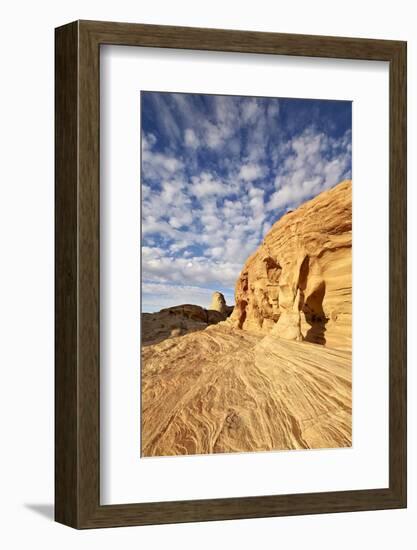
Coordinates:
182 319
298 284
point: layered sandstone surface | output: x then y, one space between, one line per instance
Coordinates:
227 390
275 375
298 284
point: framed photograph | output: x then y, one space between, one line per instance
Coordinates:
230 274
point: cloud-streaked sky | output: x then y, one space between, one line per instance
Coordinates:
217 172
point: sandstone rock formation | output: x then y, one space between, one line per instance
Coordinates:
218 303
179 320
226 390
298 284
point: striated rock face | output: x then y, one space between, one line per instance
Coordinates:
225 390
298 284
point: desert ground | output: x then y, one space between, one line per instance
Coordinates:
272 373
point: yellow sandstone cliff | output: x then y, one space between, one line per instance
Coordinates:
298 284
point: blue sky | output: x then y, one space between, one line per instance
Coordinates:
217 172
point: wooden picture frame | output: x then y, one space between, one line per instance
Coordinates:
77 374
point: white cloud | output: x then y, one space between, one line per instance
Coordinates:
219 131
257 205
181 219
166 120
151 225
265 228
152 252
334 170
314 163
251 172
250 110
172 191
157 165
197 270
191 139
214 135
179 246
160 165
286 195
273 111
148 141
206 184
